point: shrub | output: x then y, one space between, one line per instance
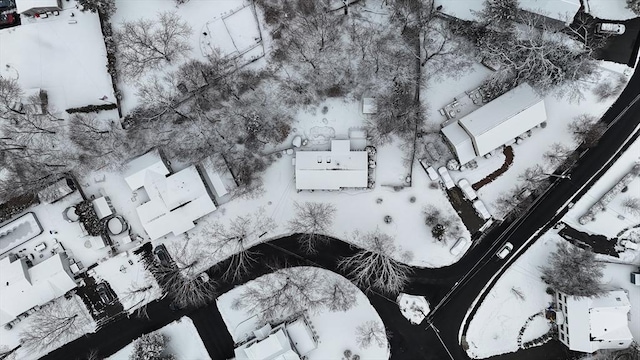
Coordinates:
91 108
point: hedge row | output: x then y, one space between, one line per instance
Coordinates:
92 108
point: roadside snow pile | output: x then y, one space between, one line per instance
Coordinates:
414 308
512 306
336 331
609 9
184 342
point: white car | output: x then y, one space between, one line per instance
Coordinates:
467 190
505 250
610 28
446 178
481 209
629 244
459 246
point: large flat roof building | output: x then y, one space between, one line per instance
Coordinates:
496 123
335 169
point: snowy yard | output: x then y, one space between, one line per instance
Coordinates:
517 295
336 330
183 342
609 9
63 55
615 218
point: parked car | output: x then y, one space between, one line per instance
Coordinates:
629 244
459 246
7 19
467 190
481 209
446 178
105 295
610 28
505 250
163 256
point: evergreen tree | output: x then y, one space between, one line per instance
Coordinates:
573 271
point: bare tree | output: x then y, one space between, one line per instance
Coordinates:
557 154
312 220
146 44
55 324
608 87
534 178
10 92
294 290
374 267
586 129
573 271
140 295
443 226
631 205
370 333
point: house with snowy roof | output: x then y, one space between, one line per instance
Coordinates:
23 288
335 169
32 7
176 200
290 341
589 324
495 124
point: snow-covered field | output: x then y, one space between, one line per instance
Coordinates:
184 342
61 54
609 9
336 330
518 294
614 219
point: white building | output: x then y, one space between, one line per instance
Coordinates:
175 202
496 123
336 169
32 7
22 288
218 178
590 324
284 342
136 169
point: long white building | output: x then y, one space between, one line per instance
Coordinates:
496 123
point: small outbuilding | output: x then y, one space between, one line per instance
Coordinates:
33 7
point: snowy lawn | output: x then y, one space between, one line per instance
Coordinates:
197 13
134 285
336 330
609 9
183 342
517 295
66 59
615 218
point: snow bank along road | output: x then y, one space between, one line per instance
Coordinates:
408 341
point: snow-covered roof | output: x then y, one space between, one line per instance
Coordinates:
369 105
26 5
275 347
332 170
301 336
218 176
101 207
22 288
136 169
175 202
599 322
504 118
460 142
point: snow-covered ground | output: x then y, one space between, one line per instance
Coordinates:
414 308
614 219
609 9
61 54
10 339
336 330
184 342
132 283
517 295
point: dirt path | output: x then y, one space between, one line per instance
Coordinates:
508 153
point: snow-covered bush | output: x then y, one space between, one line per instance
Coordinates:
150 347
634 5
105 8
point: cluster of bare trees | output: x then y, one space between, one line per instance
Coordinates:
374 268
312 221
294 290
55 324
